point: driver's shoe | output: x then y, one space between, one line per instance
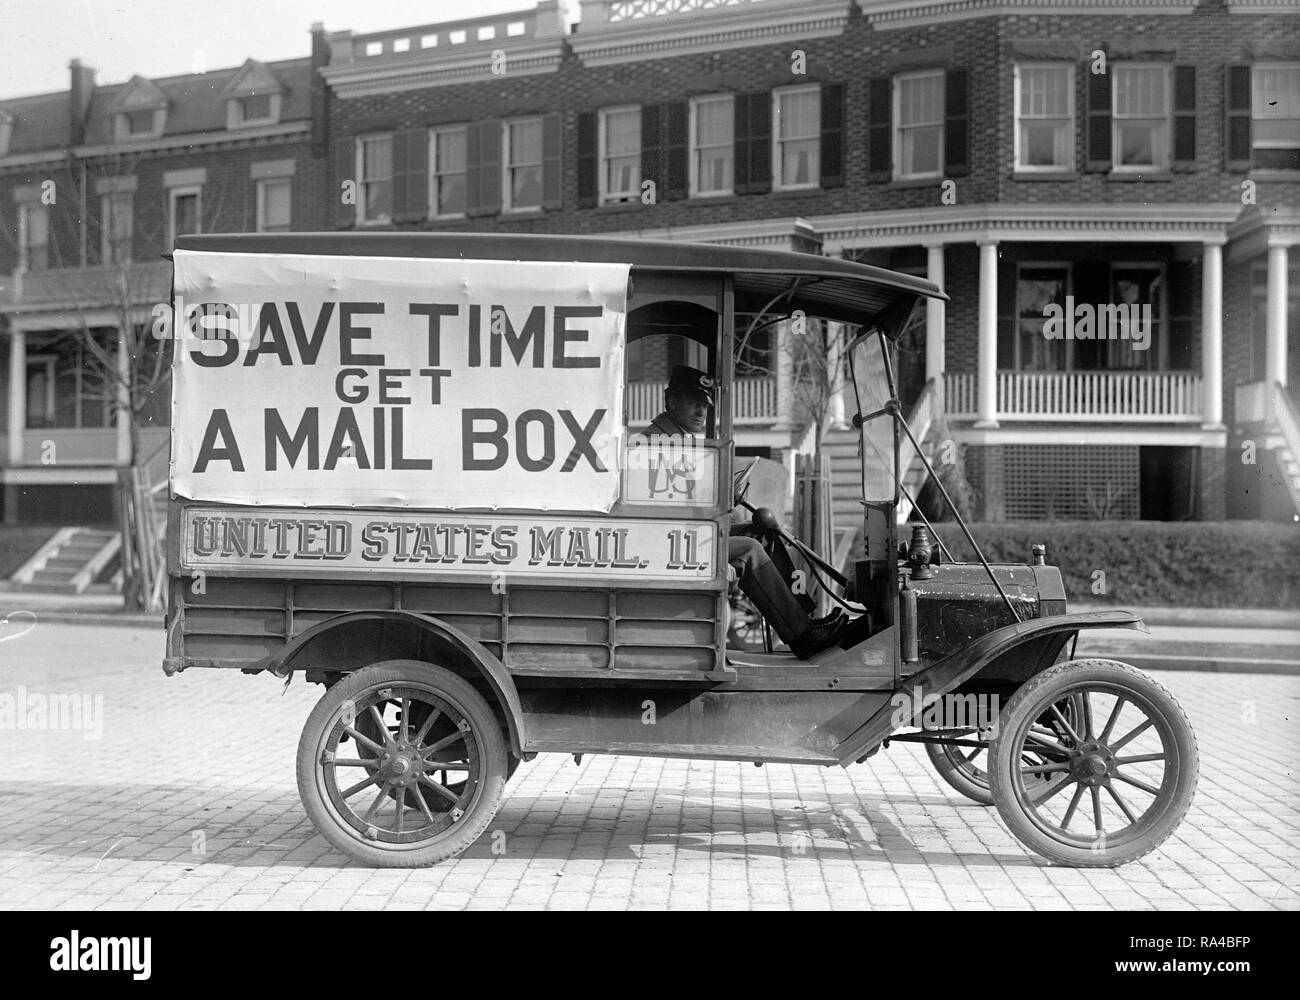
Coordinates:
835 615
816 637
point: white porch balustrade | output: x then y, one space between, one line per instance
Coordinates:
1083 396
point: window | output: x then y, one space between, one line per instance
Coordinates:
620 155
375 169
255 108
1140 290
1140 117
447 170
274 211
116 226
713 144
918 140
1044 117
138 123
183 213
1037 287
34 237
796 153
523 164
1275 117
40 390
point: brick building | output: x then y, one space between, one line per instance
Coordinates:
1107 190
95 184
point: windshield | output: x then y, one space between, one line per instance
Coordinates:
871 386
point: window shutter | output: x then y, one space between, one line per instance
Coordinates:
1237 108
587 155
1184 117
832 152
552 163
651 138
880 157
676 119
956 134
483 168
345 169
760 143
740 169
1098 120
411 175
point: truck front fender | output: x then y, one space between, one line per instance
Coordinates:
464 648
950 672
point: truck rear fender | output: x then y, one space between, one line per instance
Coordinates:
455 649
1028 640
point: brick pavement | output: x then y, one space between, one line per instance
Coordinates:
188 801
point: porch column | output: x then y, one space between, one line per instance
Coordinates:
934 319
987 399
784 378
1212 336
123 399
17 396
1275 337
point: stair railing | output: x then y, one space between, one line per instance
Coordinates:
920 418
1288 426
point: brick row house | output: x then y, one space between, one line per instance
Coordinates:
95 185
1107 191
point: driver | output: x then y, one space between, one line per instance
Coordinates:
765 578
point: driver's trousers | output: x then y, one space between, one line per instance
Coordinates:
768 585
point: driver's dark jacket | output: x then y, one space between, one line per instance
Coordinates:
765 571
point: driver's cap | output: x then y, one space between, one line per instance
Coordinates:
692 382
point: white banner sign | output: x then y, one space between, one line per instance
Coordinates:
397 382
343 544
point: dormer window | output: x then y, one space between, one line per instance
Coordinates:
253 96
139 123
139 111
255 108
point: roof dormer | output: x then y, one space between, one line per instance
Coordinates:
252 96
139 111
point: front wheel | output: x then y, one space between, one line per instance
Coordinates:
402 764
1105 786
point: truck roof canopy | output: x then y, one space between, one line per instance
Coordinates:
822 286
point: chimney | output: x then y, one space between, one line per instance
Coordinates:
79 94
320 58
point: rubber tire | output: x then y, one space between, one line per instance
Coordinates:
487 732
1111 672
956 779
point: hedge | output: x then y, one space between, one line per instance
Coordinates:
1195 564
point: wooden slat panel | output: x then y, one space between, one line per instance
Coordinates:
578 630
649 660
343 596
665 604
569 603
235 593
241 621
667 633
220 647
566 659
445 600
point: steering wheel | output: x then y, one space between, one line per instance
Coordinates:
740 484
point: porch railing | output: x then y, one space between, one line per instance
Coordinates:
753 401
1100 396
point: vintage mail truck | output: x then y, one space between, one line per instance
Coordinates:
405 467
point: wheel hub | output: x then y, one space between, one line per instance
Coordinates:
1092 763
402 766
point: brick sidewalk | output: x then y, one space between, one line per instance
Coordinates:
188 801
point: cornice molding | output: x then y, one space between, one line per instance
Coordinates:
361 80
885 14
180 144
784 233
733 27
994 223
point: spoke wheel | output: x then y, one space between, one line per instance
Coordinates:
402 764
745 628
1105 784
965 768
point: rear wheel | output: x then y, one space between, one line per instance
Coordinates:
1110 785
402 764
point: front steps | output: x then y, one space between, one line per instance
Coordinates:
69 562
